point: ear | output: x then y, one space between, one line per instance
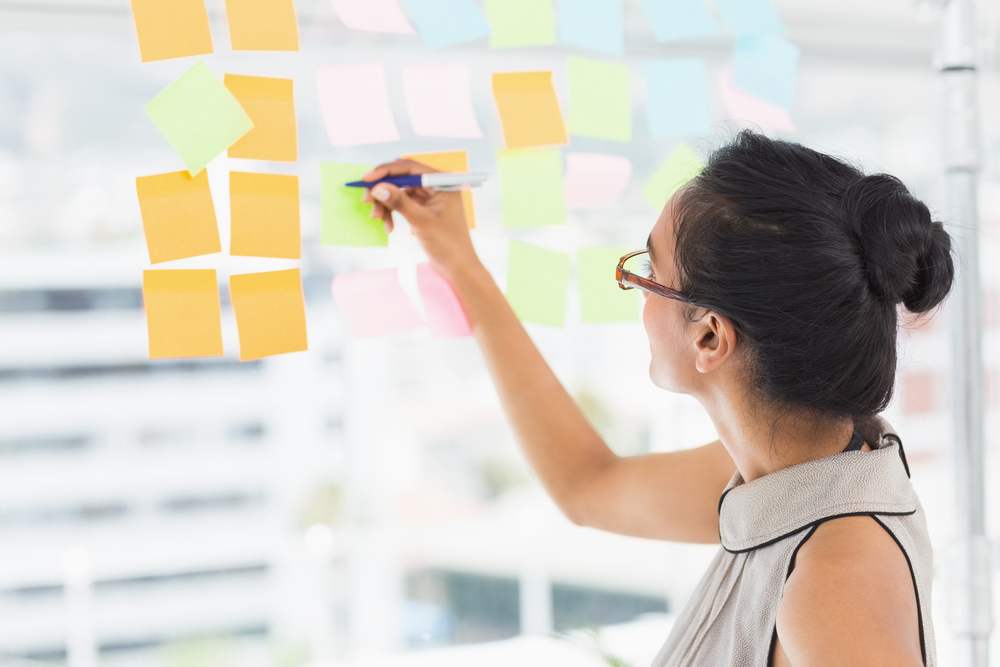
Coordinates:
715 341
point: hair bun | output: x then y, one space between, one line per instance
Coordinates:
907 256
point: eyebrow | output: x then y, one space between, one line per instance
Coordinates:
649 246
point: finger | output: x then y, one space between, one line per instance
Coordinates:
400 167
395 199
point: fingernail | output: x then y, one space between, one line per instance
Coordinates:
380 194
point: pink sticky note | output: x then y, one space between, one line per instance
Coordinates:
439 101
445 314
354 102
749 109
374 303
595 180
373 16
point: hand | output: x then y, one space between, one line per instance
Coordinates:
437 218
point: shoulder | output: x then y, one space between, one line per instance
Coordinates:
850 598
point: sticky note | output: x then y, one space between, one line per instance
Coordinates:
270 103
264 215
451 161
749 17
600 99
443 23
680 166
445 314
679 20
183 315
171 29
346 219
531 188
374 303
373 16
178 216
751 111
596 25
199 117
537 283
677 99
528 108
270 313
601 299
439 101
595 180
262 25
765 66
516 23
354 102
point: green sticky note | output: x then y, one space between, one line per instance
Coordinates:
531 187
680 166
520 22
346 219
537 282
600 99
199 117
601 299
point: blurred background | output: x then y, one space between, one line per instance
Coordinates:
365 502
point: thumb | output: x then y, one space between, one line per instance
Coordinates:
395 199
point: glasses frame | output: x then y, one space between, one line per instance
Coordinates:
628 280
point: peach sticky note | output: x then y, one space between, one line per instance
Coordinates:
374 303
354 102
270 103
171 29
262 25
439 100
177 215
183 315
445 314
528 108
451 161
595 180
270 312
264 210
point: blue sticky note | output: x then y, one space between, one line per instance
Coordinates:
443 23
749 17
765 66
680 19
597 25
677 97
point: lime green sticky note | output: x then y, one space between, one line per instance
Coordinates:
531 187
600 99
601 299
537 282
346 219
680 166
199 117
520 22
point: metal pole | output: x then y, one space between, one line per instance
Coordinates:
970 593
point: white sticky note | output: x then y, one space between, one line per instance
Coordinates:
439 101
354 102
373 16
595 180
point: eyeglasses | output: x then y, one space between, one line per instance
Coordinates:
627 279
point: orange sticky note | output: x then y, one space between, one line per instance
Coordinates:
262 25
264 215
451 161
171 29
178 216
528 108
270 312
271 106
183 315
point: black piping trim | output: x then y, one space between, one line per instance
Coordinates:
788 572
812 523
916 591
719 508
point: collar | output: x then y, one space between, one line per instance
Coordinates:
777 505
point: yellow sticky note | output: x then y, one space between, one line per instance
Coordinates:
171 29
262 25
270 313
177 215
264 215
451 161
183 315
271 106
528 108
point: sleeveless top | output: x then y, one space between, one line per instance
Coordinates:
730 617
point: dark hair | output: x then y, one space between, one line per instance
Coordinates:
809 257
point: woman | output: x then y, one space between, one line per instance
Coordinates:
771 295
